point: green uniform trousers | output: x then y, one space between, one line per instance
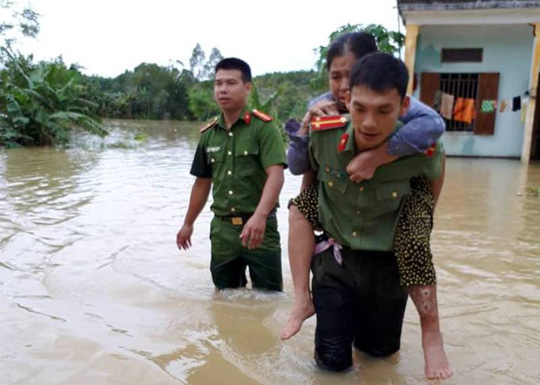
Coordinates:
230 258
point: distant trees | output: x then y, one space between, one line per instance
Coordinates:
41 102
16 22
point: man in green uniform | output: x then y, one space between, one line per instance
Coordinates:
242 153
356 291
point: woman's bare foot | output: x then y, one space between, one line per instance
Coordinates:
302 310
436 363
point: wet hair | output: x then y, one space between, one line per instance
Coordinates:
357 43
232 63
380 72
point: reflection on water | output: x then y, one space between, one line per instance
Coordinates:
94 291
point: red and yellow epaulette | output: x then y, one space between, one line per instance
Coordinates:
210 124
430 151
262 116
323 123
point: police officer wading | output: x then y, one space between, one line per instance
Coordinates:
242 154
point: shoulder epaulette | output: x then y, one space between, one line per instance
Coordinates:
210 124
323 123
262 116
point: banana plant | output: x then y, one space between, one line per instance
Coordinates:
40 104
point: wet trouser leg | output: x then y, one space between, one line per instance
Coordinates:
230 258
360 302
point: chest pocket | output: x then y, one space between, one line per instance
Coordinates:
246 156
388 197
333 180
215 157
215 160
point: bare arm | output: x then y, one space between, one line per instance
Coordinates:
308 179
199 196
253 232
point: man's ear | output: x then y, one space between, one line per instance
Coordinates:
404 105
248 86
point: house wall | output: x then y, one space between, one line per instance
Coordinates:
508 51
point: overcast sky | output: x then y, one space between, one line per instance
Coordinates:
107 37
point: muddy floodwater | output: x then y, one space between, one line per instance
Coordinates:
93 289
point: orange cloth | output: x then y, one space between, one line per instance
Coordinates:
464 110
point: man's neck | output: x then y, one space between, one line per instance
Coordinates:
231 117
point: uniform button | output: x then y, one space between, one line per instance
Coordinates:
233 209
230 192
330 184
229 153
245 152
212 160
394 194
229 172
230 134
358 212
327 169
361 189
354 234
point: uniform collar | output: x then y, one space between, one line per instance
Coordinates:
245 116
346 146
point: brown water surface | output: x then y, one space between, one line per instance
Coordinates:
94 291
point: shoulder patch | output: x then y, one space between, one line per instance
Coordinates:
323 123
210 124
261 115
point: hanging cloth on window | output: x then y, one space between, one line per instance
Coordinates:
464 110
447 103
503 105
488 106
524 106
516 103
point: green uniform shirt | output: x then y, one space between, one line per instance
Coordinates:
363 216
236 160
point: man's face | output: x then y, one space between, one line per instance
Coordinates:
338 77
374 115
230 91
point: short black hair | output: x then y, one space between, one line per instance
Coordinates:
380 72
358 43
232 63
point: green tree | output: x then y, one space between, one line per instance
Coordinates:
201 101
16 22
41 103
202 68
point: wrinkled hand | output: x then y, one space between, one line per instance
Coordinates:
363 166
319 109
253 232
183 238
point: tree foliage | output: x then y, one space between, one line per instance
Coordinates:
202 68
16 22
41 103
